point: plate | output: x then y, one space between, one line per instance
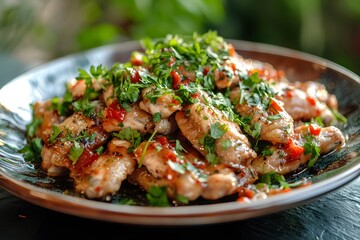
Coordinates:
27 181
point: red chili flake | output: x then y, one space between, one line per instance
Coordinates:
135 76
176 79
85 160
168 154
116 111
98 189
293 150
136 59
233 66
249 193
206 70
185 82
289 93
175 102
195 95
314 130
162 140
245 194
274 104
311 101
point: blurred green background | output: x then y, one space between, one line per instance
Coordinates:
36 31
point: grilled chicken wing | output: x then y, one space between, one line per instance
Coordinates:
105 175
48 117
135 118
276 125
307 100
195 122
165 104
291 156
187 174
56 153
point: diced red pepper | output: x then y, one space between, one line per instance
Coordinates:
314 129
274 104
176 79
233 66
85 160
311 101
168 154
136 59
135 76
206 70
293 150
163 140
289 93
116 111
175 102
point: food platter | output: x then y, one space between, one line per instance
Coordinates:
26 181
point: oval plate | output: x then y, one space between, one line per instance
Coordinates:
28 182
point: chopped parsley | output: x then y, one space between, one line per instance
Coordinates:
311 148
157 196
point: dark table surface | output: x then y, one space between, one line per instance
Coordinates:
335 215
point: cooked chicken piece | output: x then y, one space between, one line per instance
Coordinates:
250 66
222 182
156 160
198 179
329 138
166 126
108 95
307 100
105 175
136 119
226 76
165 104
143 178
237 67
232 148
291 157
49 117
55 154
276 125
78 87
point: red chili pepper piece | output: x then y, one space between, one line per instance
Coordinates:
311 101
176 79
116 111
86 159
293 150
314 130
135 76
